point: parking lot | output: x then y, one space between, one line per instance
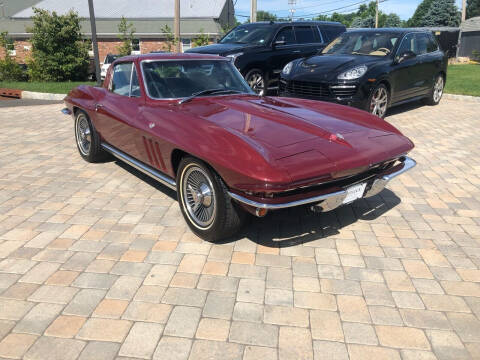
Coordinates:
96 261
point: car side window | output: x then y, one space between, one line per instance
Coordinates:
304 34
125 80
432 44
286 34
321 36
407 44
421 41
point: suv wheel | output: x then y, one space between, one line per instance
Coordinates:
378 101
256 79
437 91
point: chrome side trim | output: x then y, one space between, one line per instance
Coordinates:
147 170
66 111
314 199
334 199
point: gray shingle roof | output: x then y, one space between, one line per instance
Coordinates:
472 24
138 9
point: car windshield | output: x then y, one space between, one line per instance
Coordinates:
180 79
363 43
248 34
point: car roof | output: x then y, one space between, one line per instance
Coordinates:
312 22
388 30
170 56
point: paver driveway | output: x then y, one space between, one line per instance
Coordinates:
97 262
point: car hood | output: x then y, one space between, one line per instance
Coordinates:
220 49
282 128
332 65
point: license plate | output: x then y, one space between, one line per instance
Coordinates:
354 192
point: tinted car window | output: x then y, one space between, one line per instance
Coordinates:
286 34
432 44
304 34
408 44
135 88
322 37
362 43
421 41
121 79
248 34
332 31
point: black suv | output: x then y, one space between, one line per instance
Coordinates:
261 50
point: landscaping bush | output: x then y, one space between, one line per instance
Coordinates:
9 69
58 52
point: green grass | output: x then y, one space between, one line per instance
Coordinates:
463 80
45 87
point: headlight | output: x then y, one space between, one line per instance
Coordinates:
234 57
287 68
355 73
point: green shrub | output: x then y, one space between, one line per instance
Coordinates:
58 52
9 69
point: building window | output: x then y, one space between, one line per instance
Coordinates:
136 47
186 44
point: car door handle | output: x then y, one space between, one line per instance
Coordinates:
98 106
296 51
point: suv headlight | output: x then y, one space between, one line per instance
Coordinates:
234 57
355 73
287 68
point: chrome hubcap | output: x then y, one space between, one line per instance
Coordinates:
256 82
84 137
198 197
378 105
438 89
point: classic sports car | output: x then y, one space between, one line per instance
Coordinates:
191 122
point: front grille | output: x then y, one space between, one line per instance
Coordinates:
343 91
305 88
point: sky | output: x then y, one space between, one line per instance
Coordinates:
404 8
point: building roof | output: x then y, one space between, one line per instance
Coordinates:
138 9
472 24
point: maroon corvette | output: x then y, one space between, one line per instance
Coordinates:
191 122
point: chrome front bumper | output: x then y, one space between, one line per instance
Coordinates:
333 200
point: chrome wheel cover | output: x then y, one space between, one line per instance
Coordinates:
379 102
83 134
198 196
438 89
256 82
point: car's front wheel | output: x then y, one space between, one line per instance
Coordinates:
377 103
256 79
205 203
437 91
88 141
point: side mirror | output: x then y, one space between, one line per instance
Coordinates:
405 56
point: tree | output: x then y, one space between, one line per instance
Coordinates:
473 8
417 19
393 20
170 40
126 35
58 52
442 13
201 40
368 22
265 16
9 69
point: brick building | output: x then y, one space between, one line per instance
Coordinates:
149 17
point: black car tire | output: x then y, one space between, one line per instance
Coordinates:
257 76
380 96
436 92
87 139
197 183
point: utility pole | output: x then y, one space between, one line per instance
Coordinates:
376 16
253 11
176 26
94 42
464 10
292 4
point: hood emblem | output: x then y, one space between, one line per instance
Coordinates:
340 136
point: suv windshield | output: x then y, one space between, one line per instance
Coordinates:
363 43
248 34
179 79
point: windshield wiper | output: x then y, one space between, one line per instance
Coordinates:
208 92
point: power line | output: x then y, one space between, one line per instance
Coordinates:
332 10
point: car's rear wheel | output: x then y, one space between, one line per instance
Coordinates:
256 79
88 141
205 203
437 91
377 103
